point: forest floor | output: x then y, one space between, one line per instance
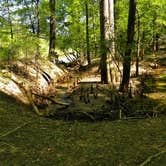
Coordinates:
27 139
85 105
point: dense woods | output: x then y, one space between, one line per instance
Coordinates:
83 27
100 61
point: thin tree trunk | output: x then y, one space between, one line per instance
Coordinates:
10 21
142 47
52 29
130 38
11 30
38 28
9 57
87 35
30 17
157 42
103 61
94 33
154 35
138 45
32 24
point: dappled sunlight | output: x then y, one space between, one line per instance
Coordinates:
82 82
29 76
10 88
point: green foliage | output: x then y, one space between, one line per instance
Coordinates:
152 21
71 25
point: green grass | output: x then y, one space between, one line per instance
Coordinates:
29 140
43 141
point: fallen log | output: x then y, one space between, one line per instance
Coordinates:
52 99
150 158
28 94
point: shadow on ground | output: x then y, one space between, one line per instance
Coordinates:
27 139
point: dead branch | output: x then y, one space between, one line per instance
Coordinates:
15 129
51 99
151 158
28 94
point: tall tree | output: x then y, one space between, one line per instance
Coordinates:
94 31
52 28
38 27
103 61
87 34
130 38
107 37
138 44
8 5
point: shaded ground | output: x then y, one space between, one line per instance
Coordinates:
26 139
30 140
85 106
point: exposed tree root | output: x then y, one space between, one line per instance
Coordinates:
128 118
28 94
52 99
14 130
12 147
150 158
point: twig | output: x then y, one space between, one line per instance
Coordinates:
11 146
51 99
86 113
15 129
113 58
151 157
128 118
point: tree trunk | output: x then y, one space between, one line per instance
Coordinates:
142 47
30 17
38 29
52 29
154 34
87 35
32 24
94 32
10 21
157 42
103 60
11 30
138 45
107 39
130 38
109 14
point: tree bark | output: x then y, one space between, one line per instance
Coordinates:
109 14
130 38
103 60
10 21
87 35
107 39
155 35
94 32
30 16
142 46
138 45
52 29
38 29
157 42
